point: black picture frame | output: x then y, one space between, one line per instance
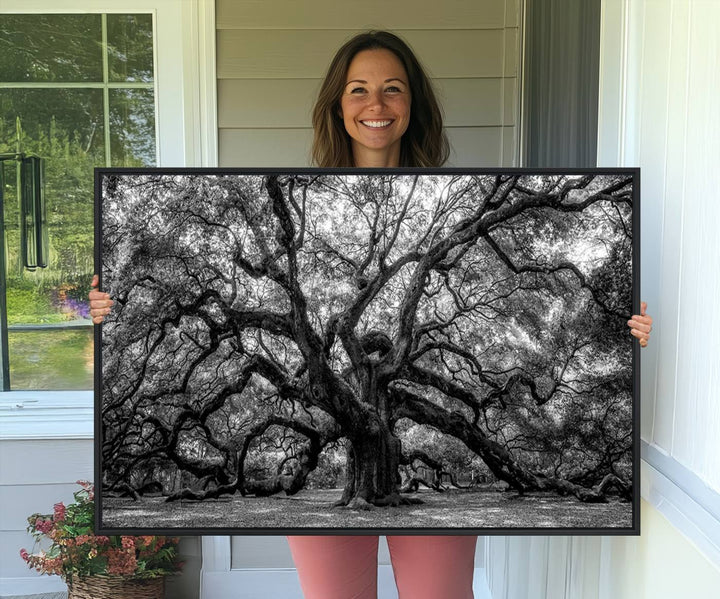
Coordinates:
278 212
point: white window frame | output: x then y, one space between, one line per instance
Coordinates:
186 130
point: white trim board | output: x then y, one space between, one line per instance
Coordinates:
46 415
201 83
31 585
695 488
689 514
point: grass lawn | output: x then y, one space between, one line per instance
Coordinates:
52 359
480 508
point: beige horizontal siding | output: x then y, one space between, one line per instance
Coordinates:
300 54
479 147
266 102
19 501
271 57
368 14
279 103
477 102
264 147
11 564
71 460
34 475
470 146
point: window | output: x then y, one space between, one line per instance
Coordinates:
186 135
78 91
185 123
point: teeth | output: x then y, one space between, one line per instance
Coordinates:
376 123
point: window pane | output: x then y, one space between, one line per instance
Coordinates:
53 121
132 127
50 48
130 47
65 127
51 359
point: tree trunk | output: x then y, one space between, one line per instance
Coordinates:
372 474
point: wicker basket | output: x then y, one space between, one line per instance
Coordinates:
116 587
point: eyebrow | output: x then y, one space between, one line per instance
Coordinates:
386 81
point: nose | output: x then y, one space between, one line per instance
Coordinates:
376 100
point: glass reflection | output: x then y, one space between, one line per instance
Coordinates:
52 359
37 48
130 47
132 127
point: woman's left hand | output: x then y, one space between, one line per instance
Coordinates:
641 325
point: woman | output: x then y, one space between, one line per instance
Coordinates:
377 108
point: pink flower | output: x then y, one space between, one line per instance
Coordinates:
145 540
72 554
44 526
128 542
53 565
59 509
121 561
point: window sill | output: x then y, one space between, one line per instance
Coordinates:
46 415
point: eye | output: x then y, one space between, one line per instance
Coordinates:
357 90
393 89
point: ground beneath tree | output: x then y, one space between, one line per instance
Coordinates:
483 508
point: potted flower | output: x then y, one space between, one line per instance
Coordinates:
96 566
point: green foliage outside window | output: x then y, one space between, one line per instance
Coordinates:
82 89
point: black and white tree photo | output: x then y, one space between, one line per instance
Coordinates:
315 350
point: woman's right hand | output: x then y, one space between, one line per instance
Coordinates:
100 302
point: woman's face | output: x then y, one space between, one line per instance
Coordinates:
375 107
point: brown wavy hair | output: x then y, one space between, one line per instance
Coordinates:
423 144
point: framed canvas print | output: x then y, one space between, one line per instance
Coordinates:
341 351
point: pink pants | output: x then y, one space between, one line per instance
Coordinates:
430 567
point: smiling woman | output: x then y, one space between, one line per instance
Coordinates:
422 144
375 78
375 107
